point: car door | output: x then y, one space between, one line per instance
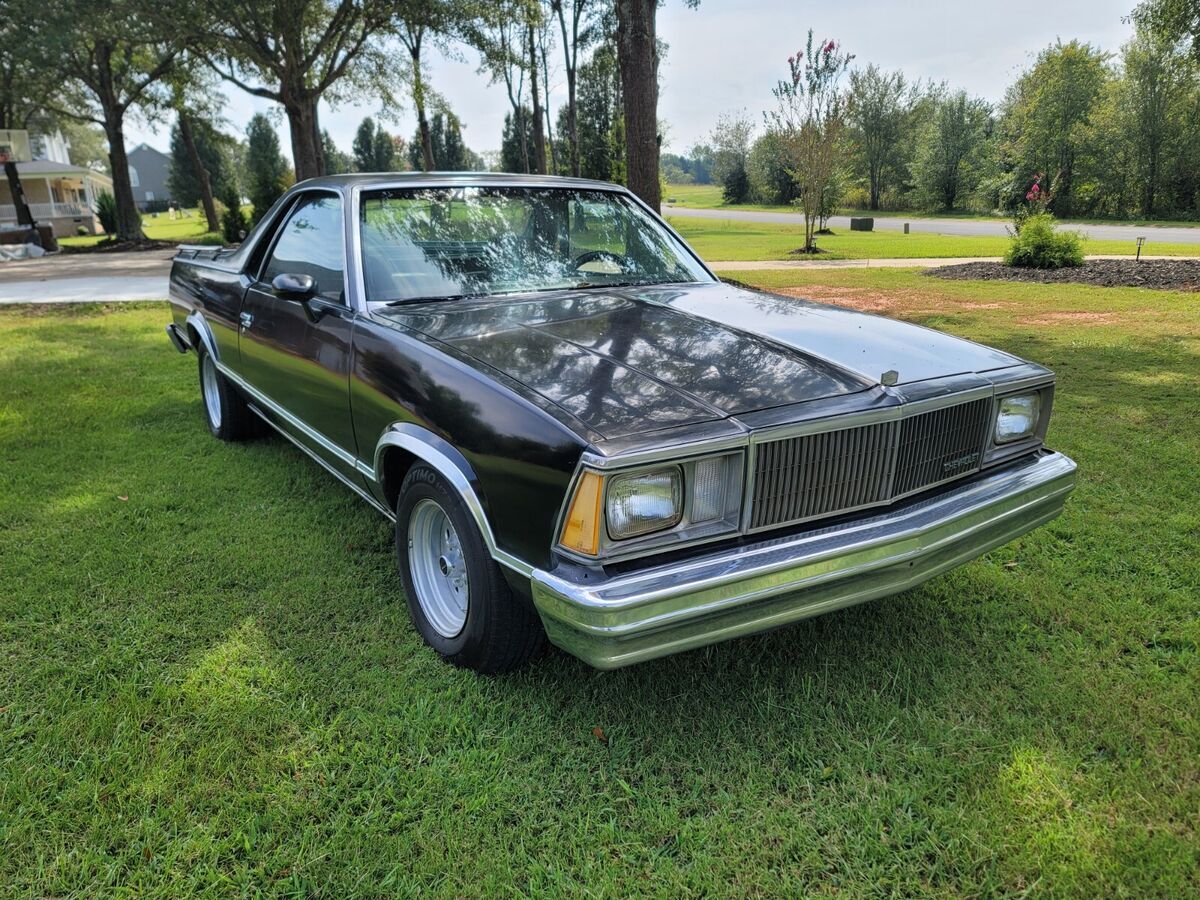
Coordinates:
295 351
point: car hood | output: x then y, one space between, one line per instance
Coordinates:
631 360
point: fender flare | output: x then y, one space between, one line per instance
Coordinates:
195 321
453 466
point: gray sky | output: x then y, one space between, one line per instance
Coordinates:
727 55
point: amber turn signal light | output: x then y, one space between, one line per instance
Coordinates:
581 531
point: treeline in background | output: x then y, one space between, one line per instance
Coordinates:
1112 135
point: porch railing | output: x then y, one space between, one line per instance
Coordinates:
46 211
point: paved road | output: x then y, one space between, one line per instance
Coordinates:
742 265
86 277
968 227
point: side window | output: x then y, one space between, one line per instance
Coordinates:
310 243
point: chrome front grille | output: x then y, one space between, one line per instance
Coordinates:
831 472
942 444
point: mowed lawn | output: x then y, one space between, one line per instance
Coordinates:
209 683
710 196
160 227
725 240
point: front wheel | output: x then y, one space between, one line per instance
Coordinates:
457 596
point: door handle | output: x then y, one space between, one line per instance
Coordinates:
247 319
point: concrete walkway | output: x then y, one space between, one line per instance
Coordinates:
1168 234
87 277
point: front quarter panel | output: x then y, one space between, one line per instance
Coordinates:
521 457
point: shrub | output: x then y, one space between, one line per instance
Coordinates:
1038 245
233 220
106 212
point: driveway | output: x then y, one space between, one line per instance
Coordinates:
86 277
966 227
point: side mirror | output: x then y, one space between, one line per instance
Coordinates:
294 287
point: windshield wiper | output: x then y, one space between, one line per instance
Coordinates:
585 285
405 301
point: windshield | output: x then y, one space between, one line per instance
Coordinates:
439 243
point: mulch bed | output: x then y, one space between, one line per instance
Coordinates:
1163 274
121 246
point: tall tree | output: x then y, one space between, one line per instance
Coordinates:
212 149
266 169
294 52
952 149
501 39
878 108
373 148
809 119
539 130
22 89
337 162
514 144
108 56
1046 116
730 143
601 117
1158 79
578 26
450 153
637 53
417 24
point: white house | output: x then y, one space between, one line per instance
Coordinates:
58 193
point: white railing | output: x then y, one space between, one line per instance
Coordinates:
46 210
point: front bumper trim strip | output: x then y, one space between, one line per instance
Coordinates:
623 619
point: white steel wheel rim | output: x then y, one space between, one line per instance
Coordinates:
208 386
438 568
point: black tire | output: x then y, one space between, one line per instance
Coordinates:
224 409
501 631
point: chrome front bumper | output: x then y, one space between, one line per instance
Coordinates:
663 609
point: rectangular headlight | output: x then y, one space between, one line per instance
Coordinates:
1017 417
644 502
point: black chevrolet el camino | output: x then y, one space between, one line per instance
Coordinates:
583 435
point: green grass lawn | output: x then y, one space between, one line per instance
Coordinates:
159 227
209 682
708 196
727 240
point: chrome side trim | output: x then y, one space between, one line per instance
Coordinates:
379 507
429 448
300 425
627 618
419 441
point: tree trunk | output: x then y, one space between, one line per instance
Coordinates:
571 58
129 220
539 131
573 123
427 162
202 179
549 125
524 133
637 54
306 138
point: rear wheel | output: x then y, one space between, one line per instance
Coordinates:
457 596
225 412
